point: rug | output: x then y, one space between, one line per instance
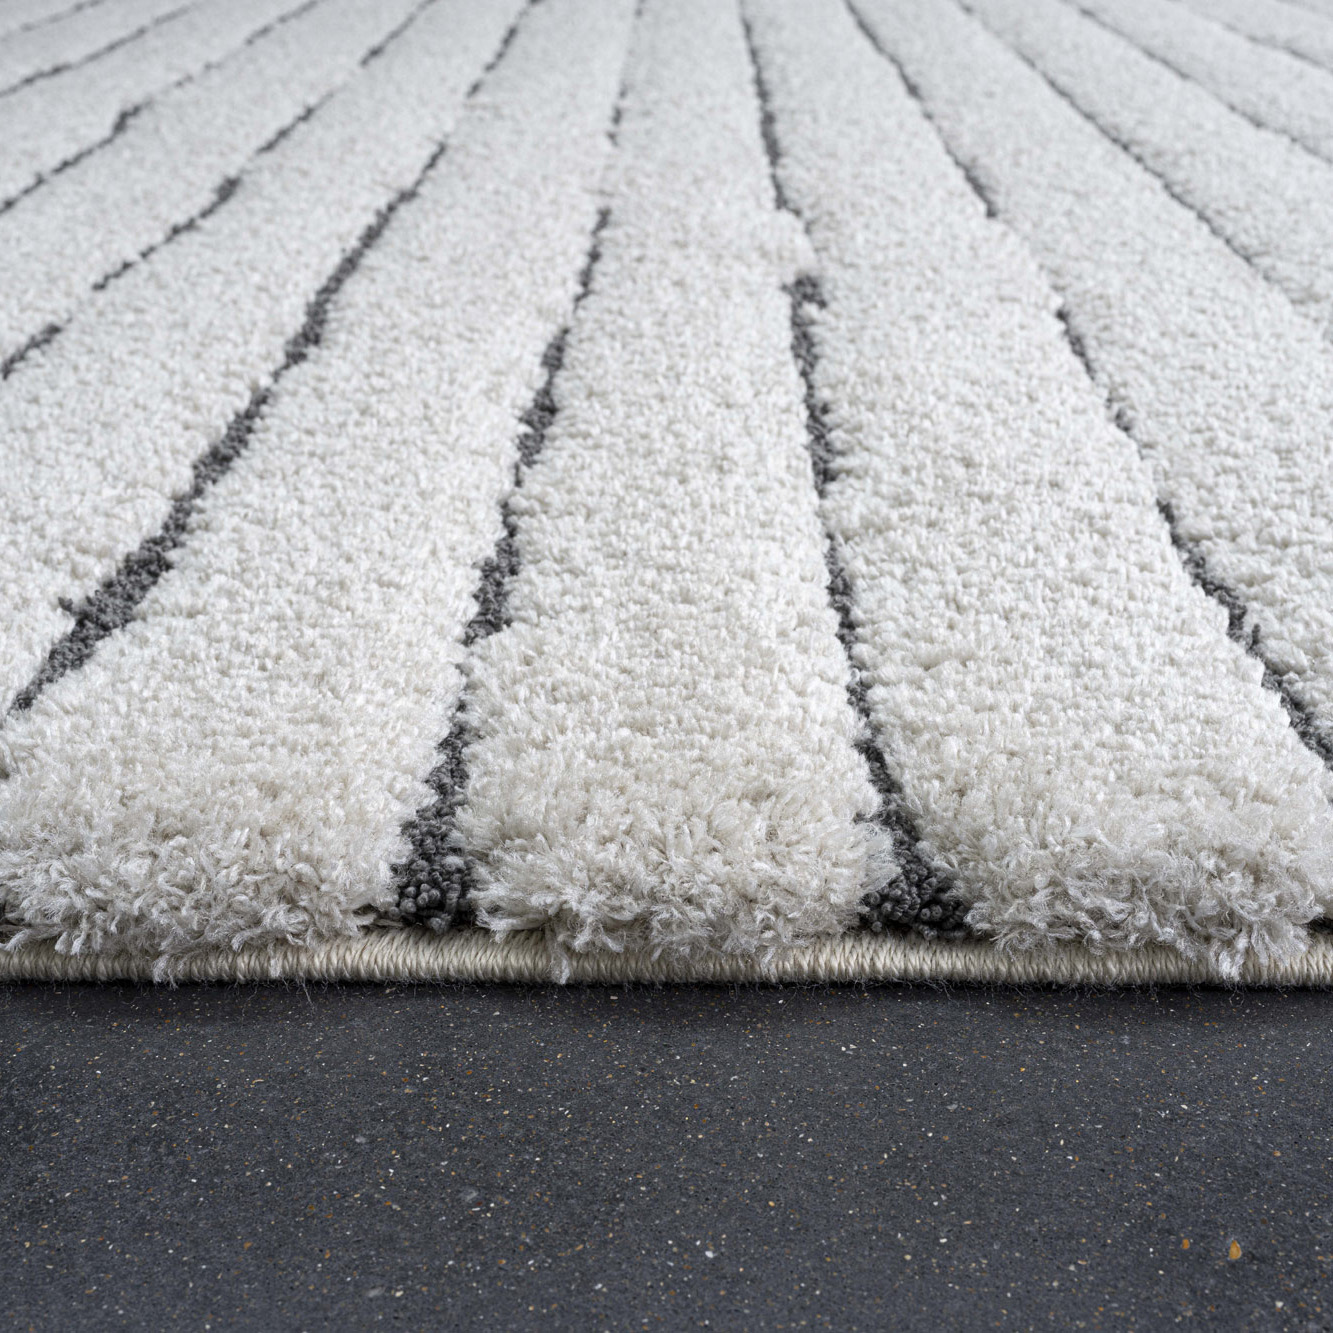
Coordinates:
788 489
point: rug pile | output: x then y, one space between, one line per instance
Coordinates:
799 488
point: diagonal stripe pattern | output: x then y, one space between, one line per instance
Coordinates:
675 488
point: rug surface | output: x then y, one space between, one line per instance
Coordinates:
796 488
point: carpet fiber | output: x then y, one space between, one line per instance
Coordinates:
796 489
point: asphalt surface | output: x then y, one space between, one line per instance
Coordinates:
270 1158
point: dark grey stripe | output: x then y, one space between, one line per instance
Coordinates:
1240 624
617 114
106 50
299 119
118 128
618 110
1189 78
1125 147
968 171
434 881
123 120
1311 9
38 340
501 51
112 606
768 127
257 35
1272 43
221 195
923 896
52 18
225 190
394 34
1302 717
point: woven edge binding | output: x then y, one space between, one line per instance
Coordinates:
478 956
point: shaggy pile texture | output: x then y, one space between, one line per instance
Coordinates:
703 488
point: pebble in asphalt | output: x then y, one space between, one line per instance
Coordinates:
680 1158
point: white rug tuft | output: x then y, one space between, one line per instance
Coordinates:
791 489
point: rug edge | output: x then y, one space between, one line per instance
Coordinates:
479 956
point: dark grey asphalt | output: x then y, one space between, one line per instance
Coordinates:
267 1158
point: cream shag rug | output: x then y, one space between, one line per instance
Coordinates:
798 488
